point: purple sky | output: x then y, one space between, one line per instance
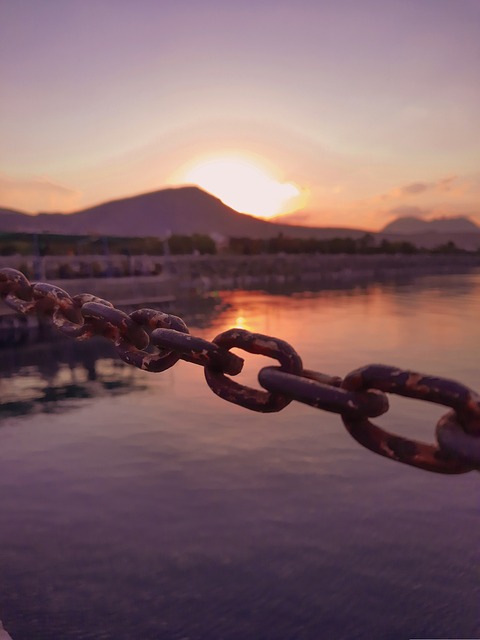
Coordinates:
370 107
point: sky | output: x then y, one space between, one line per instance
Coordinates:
338 113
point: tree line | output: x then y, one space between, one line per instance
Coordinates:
202 244
365 244
49 244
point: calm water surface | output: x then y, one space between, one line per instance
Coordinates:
138 505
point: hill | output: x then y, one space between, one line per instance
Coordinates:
12 220
413 225
189 210
182 210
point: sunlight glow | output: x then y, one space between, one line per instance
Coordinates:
243 184
240 322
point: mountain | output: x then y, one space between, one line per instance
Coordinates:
183 210
11 220
188 210
412 225
433 233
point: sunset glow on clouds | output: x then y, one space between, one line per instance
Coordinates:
358 110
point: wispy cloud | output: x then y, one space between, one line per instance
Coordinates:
414 188
452 195
449 184
36 194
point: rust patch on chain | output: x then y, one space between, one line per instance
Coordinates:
323 395
413 385
198 351
111 323
13 282
456 440
253 399
149 320
53 301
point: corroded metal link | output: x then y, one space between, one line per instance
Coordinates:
149 320
323 395
197 350
54 301
155 319
453 439
414 385
253 399
324 378
19 304
82 298
77 328
14 282
16 290
111 323
422 387
416 454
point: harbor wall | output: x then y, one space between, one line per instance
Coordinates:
115 266
185 282
181 276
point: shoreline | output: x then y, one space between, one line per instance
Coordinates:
184 277
195 283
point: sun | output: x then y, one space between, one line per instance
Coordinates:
243 184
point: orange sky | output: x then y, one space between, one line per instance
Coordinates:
353 113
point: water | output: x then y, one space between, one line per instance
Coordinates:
139 505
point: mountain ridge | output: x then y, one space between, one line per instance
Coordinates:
412 225
183 210
188 209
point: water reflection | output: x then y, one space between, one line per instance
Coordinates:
167 513
44 371
48 376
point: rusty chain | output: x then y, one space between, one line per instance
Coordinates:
361 395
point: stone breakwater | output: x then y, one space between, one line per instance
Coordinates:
165 279
214 273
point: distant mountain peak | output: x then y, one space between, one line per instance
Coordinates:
176 192
446 224
174 210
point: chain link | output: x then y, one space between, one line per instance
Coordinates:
149 320
155 341
253 399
